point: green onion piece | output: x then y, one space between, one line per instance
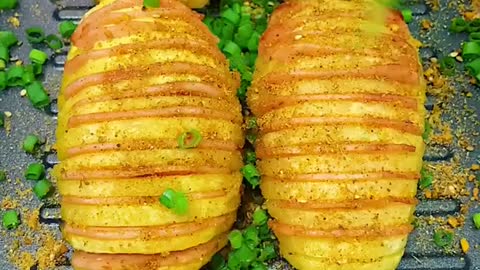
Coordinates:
245 18
407 15
251 122
237 8
250 156
251 174
217 27
234 261
267 253
261 24
66 28
3 64
458 25
253 42
427 130
30 142
167 198
53 42
10 220
4 53
258 266
473 67
8 4
3 176
251 138
35 35
447 65
474 36
236 239
42 188
259 217
230 15
38 57
8 38
250 234
14 76
245 31
227 31
242 90
37 69
251 57
470 50
3 80
151 3
443 238
28 75
189 139
232 48
245 254
177 201
35 171
37 95
217 262
426 179
474 26
476 220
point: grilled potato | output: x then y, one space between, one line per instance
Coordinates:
135 80
338 94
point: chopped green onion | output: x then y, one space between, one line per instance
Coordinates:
4 53
250 234
251 122
251 174
37 95
3 176
476 220
236 239
267 253
427 130
217 27
251 138
245 255
35 171
227 31
259 217
474 26
10 220
230 15
443 238
8 38
3 64
232 48
67 28
14 76
28 75
8 4
447 65
177 201
193 136
237 8
217 262
458 25
42 188
250 156
30 143
35 35
53 42
151 3
253 42
473 67
426 179
208 20
37 69
251 57
38 57
407 15
470 50
474 36
3 80
245 31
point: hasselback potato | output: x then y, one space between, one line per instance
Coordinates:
338 94
147 106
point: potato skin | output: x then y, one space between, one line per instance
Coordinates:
134 81
338 94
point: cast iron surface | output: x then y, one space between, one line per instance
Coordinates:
420 254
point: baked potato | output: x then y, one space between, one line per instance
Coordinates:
338 94
138 84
